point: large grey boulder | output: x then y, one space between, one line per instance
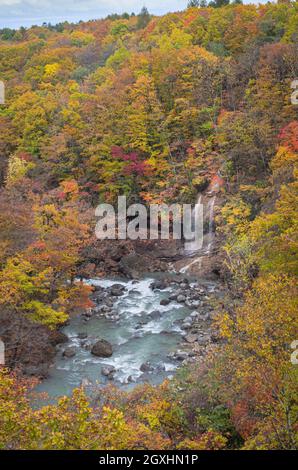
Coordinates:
117 290
155 315
102 348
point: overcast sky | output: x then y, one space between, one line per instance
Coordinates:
15 13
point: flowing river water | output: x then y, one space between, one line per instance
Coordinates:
144 332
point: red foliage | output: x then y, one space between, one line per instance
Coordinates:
135 166
289 136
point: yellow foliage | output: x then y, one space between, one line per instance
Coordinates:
51 70
17 169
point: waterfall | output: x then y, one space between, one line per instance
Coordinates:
191 248
195 245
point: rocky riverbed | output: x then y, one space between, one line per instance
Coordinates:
138 330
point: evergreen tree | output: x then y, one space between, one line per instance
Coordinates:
219 3
193 3
143 18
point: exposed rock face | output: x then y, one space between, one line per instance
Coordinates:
103 258
125 257
134 265
102 348
159 249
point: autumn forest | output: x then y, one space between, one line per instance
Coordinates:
160 109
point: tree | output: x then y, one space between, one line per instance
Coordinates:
26 290
256 375
218 3
144 18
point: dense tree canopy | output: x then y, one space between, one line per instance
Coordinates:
148 107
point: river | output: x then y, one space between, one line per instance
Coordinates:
146 332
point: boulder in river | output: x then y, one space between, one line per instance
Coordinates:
165 302
108 371
173 296
118 286
146 367
83 335
117 290
102 348
69 352
159 285
155 315
181 298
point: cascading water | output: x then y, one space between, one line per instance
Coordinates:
205 250
195 245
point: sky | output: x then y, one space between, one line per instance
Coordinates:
16 13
